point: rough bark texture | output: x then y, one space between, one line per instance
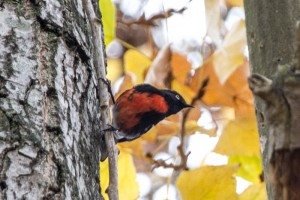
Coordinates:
49 109
271 40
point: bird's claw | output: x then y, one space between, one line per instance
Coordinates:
110 128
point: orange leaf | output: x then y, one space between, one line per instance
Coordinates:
233 93
180 67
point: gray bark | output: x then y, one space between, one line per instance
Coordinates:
271 39
49 108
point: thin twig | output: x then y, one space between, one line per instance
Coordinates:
151 21
181 166
100 68
181 147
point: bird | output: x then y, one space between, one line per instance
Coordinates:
138 109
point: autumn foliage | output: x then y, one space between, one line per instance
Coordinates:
219 91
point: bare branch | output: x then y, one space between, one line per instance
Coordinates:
181 166
151 21
100 66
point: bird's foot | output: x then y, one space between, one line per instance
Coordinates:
110 128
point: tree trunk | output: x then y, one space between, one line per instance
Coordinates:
271 28
49 107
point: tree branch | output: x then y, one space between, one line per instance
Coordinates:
100 66
151 21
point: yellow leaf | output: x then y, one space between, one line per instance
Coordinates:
231 55
159 71
114 69
240 137
128 187
108 13
134 147
250 167
233 3
254 192
208 183
137 64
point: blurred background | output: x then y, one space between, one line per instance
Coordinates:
199 49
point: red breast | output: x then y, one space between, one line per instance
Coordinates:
132 104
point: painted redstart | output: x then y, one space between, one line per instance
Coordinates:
140 108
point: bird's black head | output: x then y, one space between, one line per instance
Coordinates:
175 101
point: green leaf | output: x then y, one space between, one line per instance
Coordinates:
250 167
108 13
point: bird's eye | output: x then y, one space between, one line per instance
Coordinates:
177 97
